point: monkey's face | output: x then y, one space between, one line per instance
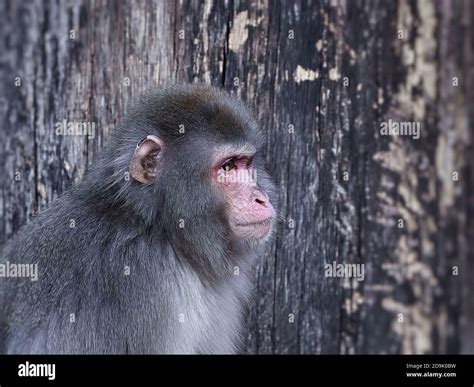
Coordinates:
210 176
249 212
222 183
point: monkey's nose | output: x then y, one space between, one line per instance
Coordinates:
262 199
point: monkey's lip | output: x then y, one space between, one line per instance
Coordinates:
254 229
266 222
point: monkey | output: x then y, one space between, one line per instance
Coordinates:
154 250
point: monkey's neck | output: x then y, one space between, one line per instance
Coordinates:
215 262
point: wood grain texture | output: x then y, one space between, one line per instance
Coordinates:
321 76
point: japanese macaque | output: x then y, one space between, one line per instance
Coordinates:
154 250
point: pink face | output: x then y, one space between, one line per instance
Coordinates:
250 212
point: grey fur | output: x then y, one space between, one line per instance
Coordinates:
182 294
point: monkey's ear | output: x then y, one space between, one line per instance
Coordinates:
144 165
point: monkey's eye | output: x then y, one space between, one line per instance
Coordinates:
229 165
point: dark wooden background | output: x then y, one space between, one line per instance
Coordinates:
321 75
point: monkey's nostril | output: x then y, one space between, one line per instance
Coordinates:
261 202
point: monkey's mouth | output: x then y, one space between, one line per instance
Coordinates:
266 222
254 229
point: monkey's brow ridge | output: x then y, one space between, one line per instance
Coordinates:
244 149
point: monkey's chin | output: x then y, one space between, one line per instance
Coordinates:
253 230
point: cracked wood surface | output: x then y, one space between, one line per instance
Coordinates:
321 76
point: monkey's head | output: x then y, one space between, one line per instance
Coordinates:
193 154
